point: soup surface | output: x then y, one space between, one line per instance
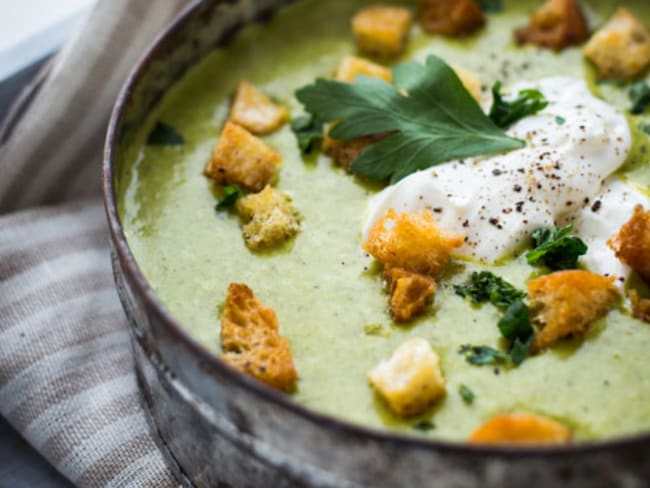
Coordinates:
326 292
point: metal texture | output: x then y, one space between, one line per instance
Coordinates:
221 428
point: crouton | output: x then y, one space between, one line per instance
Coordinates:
254 111
621 48
410 293
632 243
241 158
518 428
382 30
251 340
411 380
351 66
412 241
452 18
640 306
555 25
269 218
470 81
567 303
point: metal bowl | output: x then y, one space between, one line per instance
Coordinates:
221 428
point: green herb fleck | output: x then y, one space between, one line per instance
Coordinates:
640 97
504 113
645 128
164 135
482 355
231 194
430 116
520 348
515 325
560 120
487 287
308 131
425 426
556 248
466 394
491 5
376 330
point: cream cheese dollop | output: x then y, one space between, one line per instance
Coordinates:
496 202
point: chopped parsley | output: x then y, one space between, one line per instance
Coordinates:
640 97
645 128
560 120
466 394
308 131
556 248
231 194
490 5
429 115
424 426
487 287
515 325
164 135
482 355
504 113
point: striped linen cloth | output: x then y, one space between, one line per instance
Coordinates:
67 381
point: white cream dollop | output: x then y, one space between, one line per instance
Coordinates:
572 147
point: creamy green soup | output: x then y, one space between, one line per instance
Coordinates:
327 294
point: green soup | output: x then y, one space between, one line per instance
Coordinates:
327 294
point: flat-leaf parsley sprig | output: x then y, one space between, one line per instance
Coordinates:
429 114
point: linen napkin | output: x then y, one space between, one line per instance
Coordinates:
67 379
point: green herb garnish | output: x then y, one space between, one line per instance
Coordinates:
429 115
482 355
164 135
425 426
515 325
490 5
520 348
560 120
466 394
231 194
308 131
487 287
645 128
504 113
640 97
556 248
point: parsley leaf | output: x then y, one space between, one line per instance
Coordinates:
520 348
560 120
308 131
640 97
490 5
424 426
430 116
164 135
515 326
556 248
487 287
231 194
482 355
466 394
504 113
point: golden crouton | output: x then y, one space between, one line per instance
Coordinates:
632 243
411 380
621 48
351 66
568 302
269 218
381 30
453 18
254 111
640 307
243 159
251 340
411 240
410 293
518 428
555 25
470 81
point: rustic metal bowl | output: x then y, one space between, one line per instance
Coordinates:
221 428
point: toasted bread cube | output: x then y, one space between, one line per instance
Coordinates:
256 112
251 340
518 428
269 218
568 302
241 158
632 243
452 18
640 307
382 30
412 241
470 81
351 66
621 48
411 380
410 293
555 25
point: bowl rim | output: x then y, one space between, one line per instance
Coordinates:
257 388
